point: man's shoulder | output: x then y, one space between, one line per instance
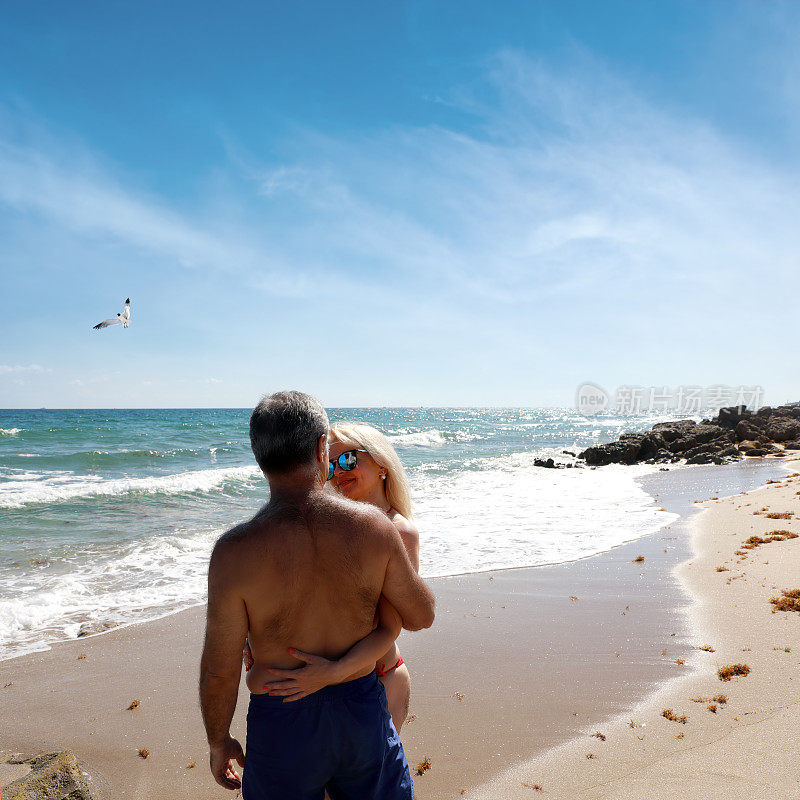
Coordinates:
365 514
367 524
241 536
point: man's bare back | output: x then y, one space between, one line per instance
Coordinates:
310 575
310 579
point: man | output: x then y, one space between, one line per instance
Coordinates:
307 572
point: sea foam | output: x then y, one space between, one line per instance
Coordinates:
22 489
432 438
504 512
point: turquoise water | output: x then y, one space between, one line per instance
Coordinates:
108 517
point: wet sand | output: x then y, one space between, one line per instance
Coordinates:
742 749
512 667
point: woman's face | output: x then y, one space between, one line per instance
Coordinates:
360 482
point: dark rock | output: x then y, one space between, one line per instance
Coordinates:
54 776
652 443
748 445
746 430
700 434
670 431
783 429
711 441
701 449
549 463
730 417
625 451
568 453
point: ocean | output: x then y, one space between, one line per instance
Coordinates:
109 516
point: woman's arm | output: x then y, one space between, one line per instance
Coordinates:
294 684
410 536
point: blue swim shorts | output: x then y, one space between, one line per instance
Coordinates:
340 738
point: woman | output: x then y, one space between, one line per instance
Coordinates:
364 467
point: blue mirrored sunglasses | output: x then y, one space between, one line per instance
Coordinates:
346 462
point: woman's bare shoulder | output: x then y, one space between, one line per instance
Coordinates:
407 529
402 523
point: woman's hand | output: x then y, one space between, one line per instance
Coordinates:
295 684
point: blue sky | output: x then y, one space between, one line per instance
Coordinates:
436 203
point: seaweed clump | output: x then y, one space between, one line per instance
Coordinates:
726 673
669 714
772 536
788 601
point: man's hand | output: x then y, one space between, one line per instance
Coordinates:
222 758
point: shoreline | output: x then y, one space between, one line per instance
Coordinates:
114 617
591 658
639 480
643 756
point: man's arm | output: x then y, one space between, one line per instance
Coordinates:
221 663
404 589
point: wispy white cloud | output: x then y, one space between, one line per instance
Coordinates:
569 188
9 369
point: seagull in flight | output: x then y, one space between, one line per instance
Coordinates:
124 318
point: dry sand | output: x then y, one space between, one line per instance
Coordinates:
749 748
512 667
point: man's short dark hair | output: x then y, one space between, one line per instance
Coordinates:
284 430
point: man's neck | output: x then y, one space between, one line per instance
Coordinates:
294 487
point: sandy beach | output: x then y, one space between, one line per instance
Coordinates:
743 747
519 668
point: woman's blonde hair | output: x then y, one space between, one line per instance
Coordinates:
366 437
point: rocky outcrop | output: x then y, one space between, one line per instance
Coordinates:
733 433
54 776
